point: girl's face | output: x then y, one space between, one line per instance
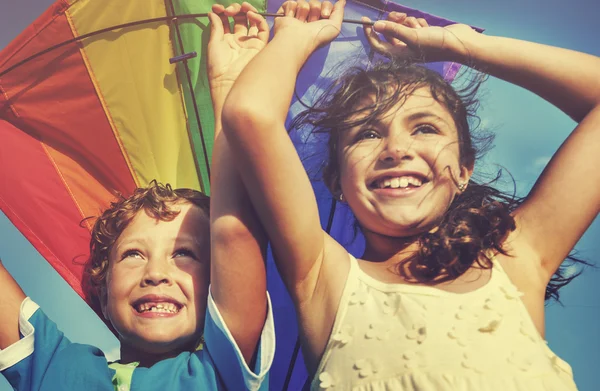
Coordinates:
157 282
400 173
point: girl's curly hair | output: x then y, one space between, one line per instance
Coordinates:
479 219
156 199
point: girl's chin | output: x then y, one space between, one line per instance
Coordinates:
400 229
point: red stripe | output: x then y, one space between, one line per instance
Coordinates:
45 192
36 202
54 100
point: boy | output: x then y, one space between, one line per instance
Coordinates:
149 266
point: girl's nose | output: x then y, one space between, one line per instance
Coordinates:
396 149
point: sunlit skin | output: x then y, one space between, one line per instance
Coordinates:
159 261
417 137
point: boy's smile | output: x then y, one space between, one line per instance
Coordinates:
157 281
154 306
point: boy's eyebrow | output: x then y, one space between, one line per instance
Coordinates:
179 239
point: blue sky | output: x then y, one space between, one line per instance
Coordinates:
528 131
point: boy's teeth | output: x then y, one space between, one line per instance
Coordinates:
395 183
403 182
158 307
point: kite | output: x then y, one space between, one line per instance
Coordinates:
98 97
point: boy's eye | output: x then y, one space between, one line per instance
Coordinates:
184 252
131 254
425 129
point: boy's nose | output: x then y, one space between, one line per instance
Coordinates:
156 273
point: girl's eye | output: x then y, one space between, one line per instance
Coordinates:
132 254
368 134
425 129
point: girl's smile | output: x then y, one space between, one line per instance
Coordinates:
399 183
400 172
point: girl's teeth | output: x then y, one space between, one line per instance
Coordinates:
400 182
415 181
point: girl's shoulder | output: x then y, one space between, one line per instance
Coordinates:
521 267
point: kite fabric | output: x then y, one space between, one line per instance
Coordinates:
82 119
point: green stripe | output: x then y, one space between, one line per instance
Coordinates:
195 34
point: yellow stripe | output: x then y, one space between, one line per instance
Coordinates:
139 87
102 102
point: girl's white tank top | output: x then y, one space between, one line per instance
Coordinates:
413 337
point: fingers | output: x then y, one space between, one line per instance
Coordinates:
326 9
337 13
258 26
240 24
411 21
315 10
396 31
247 7
396 17
216 27
288 8
312 10
246 21
302 10
374 39
219 10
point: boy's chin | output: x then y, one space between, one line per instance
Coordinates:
162 346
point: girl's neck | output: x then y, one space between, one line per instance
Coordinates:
387 249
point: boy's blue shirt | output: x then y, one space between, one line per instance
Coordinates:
44 359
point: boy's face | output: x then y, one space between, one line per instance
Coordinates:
157 282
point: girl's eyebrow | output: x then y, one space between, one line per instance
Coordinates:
425 115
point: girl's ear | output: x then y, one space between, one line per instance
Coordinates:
334 185
466 171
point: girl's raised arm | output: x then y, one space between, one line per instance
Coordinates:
566 198
238 243
253 120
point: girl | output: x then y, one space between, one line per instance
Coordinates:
449 292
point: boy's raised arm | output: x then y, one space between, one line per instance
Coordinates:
12 297
238 243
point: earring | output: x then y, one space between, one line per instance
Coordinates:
462 186
341 197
